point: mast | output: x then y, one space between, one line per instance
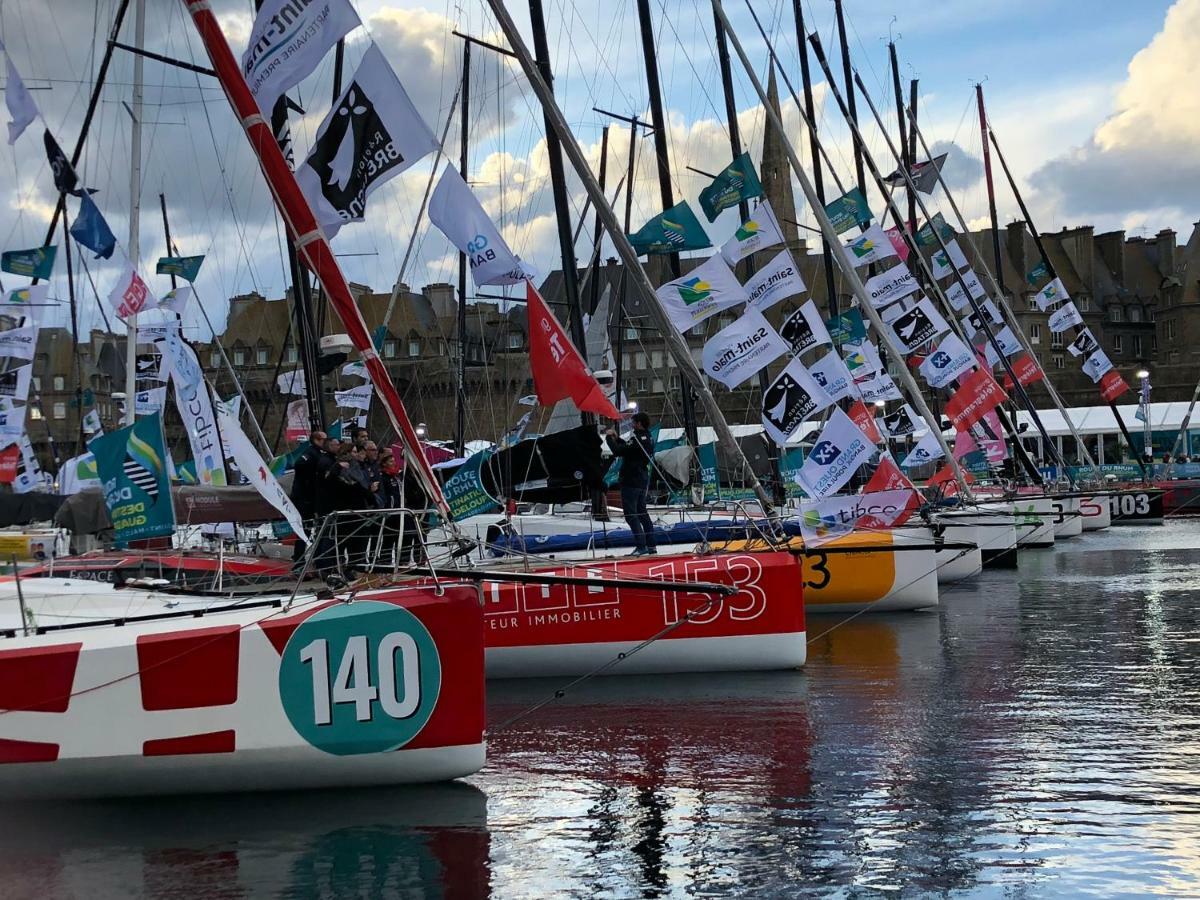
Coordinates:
859 172
135 202
311 243
76 361
460 397
666 194
991 188
673 339
906 154
598 234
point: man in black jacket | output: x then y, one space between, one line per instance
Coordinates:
636 454
309 484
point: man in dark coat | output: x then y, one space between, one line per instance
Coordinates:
309 485
636 455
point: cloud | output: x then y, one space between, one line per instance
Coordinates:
1142 157
961 169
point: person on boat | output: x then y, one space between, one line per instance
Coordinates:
371 461
636 455
353 491
309 483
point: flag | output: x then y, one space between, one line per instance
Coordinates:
77 474
288 40
672 231
704 291
149 401
924 174
454 209
14 382
1026 369
1066 316
862 360
19 343
849 210
822 521
195 409
927 449
1097 365
355 398
65 180
1007 341
21 108
879 386
864 418
840 450
1037 273
951 359
255 469
901 422
830 373
742 349
186 267
847 328
1085 342
296 421
176 300
926 236
513 436
890 285
465 492
91 422
371 135
898 243
737 182
888 477
758 232
1112 385
131 464
791 398
945 477
35 263
775 281
919 325
292 383
871 246
804 328
977 394
131 295
558 369
1052 293
90 229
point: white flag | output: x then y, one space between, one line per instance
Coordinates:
949 260
25 482
1052 293
292 383
1096 365
91 422
790 399
878 387
288 41
131 295
14 383
175 300
704 291
357 369
838 453
1009 343
775 281
870 246
27 301
957 295
372 134
862 360
21 108
1064 317
758 232
941 264
805 328
830 373
454 209
951 359
19 342
902 421
150 401
822 521
742 348
355 398
887 287
893 311
927 450
251 465
1084 344
973 284
919 325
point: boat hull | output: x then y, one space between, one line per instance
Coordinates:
1035 521
996 533
1137 506
1068 521
1095 512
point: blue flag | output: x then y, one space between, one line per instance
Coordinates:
90 229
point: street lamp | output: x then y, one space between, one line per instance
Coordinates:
421 429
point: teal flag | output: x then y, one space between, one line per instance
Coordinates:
848 328
37 262
674 231
287 461
848 210
707 456
186 472
789 465
186 267
132 468
465 493
926 237
736 183
1037 273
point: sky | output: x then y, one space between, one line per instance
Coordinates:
1091 102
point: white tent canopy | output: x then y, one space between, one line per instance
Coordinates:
1091 420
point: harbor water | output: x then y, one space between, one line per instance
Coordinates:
1036 735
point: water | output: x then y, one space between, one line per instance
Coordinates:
1037 735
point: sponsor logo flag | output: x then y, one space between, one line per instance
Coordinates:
90 229
901 422
878 387
558 369
358 370
19 342
925 235
1008 342
742 348
292 383
888 477
37 262
1084 344
672 231
21 108
950 360
77 474
758 232
924 174
371 135
195 408
1096 365
14 382
255 469
849 210
131 464
977 394
822 521
919 325
91 422
864 418
898 243
465 492
830 373
1037 273
790 399
804 328
1065 317
847 328
704 291
288 40
736 183
149 401
887 287
1026 369
454 209
1052 293
926 450
1112 385
840 450
186 267
775 281
65 179
355 398
176 300
957 295
870 246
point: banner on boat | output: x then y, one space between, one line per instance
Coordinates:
737 182
790 399
131 465
977 394
458 214
195 409
822 521
1037 273
703 292
840 450
758 232
371 135
672 231
777 280
37 262
950 360
255 469
465 492
742 349
887 287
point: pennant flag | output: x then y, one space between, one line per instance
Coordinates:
758 232
289 40
454 209
704 291
672 231
1066 316
742 349
292 383
945 477
926 450
355 398
901 422
871 246
35 263
90 229
176 300
951 359
847 328
822 521
1085 343
919 325
1026 369
65 180
926 236
804 328
737 182
891 285
888 477
20 342
255 469
185 267
840 450
924 174
558 369
77 474
149 401
371 135
513 436
1052 293
131 465
790 399
830 373
1037 273
1112 385
775 281
21 108
1096 365
131 295
848 211
91 422
864 418
977 394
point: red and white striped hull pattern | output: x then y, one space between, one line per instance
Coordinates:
245 700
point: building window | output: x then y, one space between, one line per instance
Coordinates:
389 349
1135 314
641 385
1169 328
514 341
35 412
1035 333
1137 346
214 359
1083 304
1056 340
639 360
60 410
291 355
698 329
656 359
36 381
260 356
1058 360
1031 302
657 386
1154 343
239 356
1115 314
60 383
414 346
674 382
631 333
624 362
1118 343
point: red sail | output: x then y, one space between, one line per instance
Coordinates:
559 371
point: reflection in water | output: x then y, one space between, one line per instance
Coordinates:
1036 734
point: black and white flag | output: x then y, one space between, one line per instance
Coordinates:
805 328
790 399
372 134
1084 344
920 324
901 422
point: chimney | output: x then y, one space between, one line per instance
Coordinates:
1015 238
441 298
1165 240
1080 245
1111 245
776 174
